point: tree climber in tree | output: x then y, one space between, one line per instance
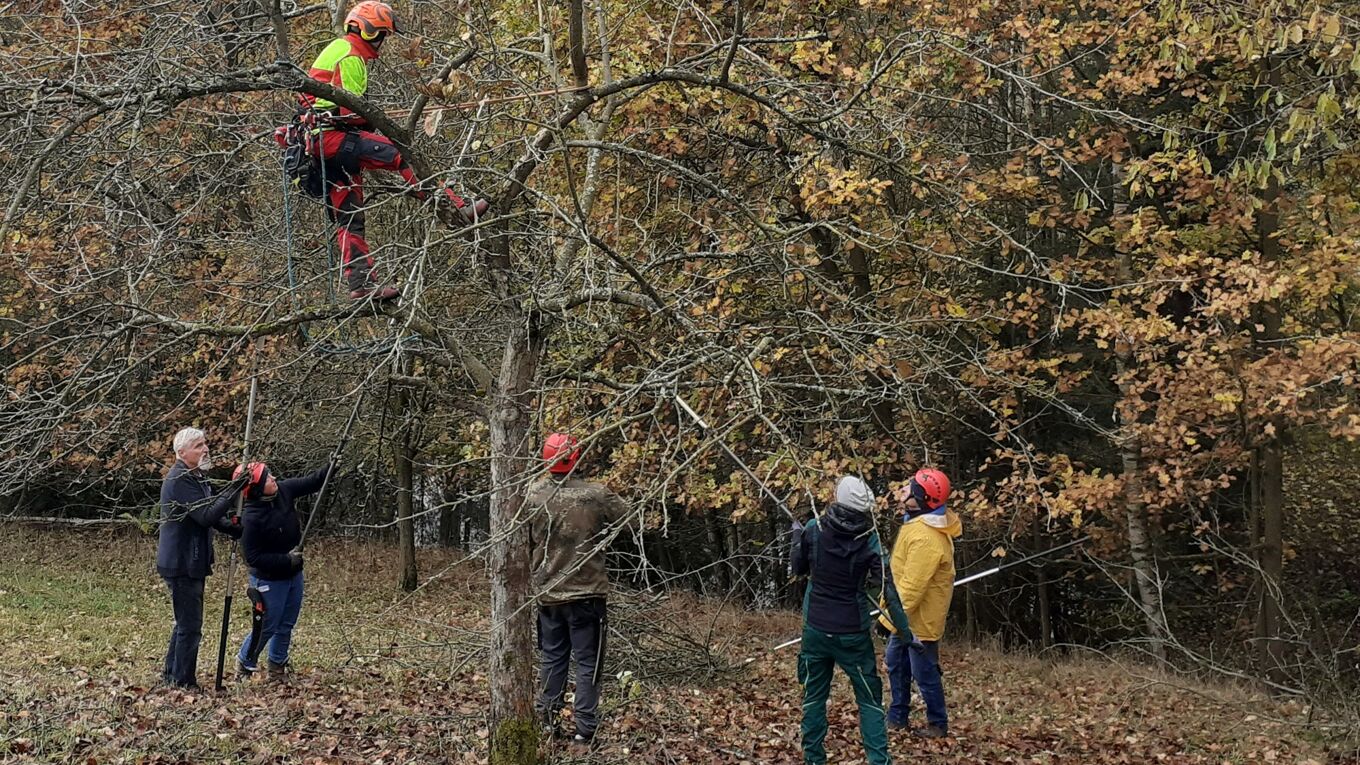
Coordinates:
348 147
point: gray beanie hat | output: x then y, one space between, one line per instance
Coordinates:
854 494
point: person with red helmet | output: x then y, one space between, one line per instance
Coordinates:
923 569
348 147
270 536
572 522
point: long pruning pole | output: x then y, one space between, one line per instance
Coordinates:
330 467
957 582
231 565
680 402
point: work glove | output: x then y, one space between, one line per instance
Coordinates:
882 630
295 558
235 485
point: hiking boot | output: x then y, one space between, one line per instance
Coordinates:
894 725
931 731
376 292
277 672
243 672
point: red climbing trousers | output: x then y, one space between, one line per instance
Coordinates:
346 154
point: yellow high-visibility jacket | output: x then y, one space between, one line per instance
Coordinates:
923 570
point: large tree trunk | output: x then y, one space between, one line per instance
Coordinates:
406 533
514 736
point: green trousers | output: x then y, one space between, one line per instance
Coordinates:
854 653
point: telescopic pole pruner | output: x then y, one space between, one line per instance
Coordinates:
330 467
231 565
957 582
680 402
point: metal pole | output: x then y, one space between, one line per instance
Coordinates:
974 577
330 468
231 565
966 580
680 402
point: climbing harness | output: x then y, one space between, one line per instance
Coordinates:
291 179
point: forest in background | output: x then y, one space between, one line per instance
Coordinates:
1096 260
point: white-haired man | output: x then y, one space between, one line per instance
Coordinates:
184 557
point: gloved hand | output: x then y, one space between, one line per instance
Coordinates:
882 630
235 485
295 558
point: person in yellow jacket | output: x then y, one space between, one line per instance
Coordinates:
923 570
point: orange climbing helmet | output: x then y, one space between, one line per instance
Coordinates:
371 18
930 487
561 452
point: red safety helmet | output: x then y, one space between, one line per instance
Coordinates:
371 18
561 452
934 485
259 473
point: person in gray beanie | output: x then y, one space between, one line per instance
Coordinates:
841 555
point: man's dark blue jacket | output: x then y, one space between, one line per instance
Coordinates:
270 527
189 512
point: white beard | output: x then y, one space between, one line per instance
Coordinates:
205 462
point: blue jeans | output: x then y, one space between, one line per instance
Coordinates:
282 604
918 661
181 656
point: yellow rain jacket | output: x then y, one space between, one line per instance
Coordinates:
923 569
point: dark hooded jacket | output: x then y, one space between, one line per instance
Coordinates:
271 527
189 512
841 556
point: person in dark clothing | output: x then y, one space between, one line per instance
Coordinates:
270 536
184 554
571 524
841 554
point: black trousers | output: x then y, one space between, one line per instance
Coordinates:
181 658
567 631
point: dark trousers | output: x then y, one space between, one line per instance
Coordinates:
181 657
566 631
917 661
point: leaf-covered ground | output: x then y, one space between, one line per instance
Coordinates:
391 678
